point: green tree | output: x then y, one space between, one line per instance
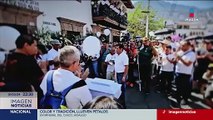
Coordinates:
137 21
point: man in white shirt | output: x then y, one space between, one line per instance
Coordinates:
53 54
185 59
110 61
63 77
167 69
121 70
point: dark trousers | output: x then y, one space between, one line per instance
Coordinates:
166 81
131 77
183 85
145 74
123 89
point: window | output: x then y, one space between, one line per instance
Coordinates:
185 27
179 27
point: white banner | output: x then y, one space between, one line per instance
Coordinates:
100 114
18 100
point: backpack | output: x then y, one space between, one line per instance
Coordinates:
53 99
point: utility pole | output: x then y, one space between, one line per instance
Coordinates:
147 19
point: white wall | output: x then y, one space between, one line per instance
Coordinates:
73 10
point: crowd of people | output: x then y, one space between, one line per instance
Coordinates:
186 62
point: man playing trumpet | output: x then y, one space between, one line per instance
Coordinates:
185 58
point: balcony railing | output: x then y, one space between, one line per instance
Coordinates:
99 9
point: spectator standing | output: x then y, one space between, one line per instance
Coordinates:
121 70
52 55
110 61
22 71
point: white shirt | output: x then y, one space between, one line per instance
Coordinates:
160 52
166 65
42 58
175 45
2 57
182 68
120 62
51 55
110 58
61 80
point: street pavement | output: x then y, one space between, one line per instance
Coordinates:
136 99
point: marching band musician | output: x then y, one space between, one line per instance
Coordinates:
185 58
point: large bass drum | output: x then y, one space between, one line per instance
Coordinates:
92 46
91 53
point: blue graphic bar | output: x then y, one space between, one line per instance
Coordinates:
19 114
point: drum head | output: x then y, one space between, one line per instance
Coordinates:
91 46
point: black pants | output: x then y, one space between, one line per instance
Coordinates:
131 77
166 81
183 85
145 74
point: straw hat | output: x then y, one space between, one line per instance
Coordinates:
145 39
165 41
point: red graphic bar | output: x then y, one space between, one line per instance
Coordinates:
184 114
191 15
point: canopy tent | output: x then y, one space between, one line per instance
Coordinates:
164 31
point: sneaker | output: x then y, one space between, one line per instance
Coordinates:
158 91
184 102
175 106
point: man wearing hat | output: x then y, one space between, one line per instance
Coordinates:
53 54
157 61
146 53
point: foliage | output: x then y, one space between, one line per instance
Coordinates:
45 36
137 21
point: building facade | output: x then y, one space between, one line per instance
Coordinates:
68 17
19 14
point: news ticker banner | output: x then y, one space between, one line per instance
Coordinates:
105 114
97 114
23 106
